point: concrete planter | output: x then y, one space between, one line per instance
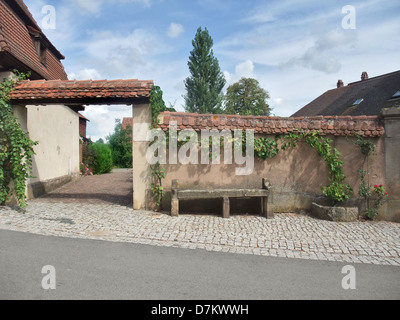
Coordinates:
337 214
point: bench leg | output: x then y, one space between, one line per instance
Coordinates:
174 199
226 208
267 210
175 207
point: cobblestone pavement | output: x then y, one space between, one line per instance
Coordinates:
286 235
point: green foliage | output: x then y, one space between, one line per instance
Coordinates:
380 198
121 145
204 86
100 158
364 190
16 149
266 147
246 97
374 196
337 191
158 173
367 146
157 105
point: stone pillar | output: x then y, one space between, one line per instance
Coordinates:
141 121
391 118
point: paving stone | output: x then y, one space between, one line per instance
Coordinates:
286 235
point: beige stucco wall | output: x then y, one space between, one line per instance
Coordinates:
297 175
141 115
56 127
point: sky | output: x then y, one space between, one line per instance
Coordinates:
296 49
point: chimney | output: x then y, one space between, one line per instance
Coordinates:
364 76
340 83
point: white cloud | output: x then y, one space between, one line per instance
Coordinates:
175 30
124 55
95 6
244 69
85 74
102 119
323 56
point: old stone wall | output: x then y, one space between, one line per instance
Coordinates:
297 174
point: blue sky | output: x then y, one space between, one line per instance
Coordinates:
296 49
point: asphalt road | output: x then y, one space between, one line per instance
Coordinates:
91 269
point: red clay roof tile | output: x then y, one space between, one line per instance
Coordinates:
370 126
58 91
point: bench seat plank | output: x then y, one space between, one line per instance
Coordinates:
221 193
264 193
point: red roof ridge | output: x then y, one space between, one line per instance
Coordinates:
368 126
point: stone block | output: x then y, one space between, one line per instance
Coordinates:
337 214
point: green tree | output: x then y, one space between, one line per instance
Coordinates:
246 97
121 145
101 158
204 86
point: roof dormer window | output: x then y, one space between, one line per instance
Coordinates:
39 46
396 95
357 102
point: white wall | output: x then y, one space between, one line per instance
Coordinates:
56 127
5 75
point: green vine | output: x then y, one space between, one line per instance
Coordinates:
337 191
16 149
157 189
374 196
157 172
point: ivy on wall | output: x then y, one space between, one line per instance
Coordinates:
16 149
157 105
265 148
337 190
374 196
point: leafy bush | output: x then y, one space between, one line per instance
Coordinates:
100 160
121 145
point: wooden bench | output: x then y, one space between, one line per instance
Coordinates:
224 194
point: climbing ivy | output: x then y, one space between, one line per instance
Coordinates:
157 172
16 149
337 191
365 190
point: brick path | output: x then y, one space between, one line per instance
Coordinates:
114 188
90 209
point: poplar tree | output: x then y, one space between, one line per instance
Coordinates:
204 86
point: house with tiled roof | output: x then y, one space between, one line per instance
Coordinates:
47 105
365 97
24 47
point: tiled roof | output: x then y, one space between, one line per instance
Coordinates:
366 126
376 93
16 42
83 117
80 91
127 122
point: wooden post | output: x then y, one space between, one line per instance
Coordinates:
226 208
174 198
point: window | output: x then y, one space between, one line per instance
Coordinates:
357 102
396 95
39 45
